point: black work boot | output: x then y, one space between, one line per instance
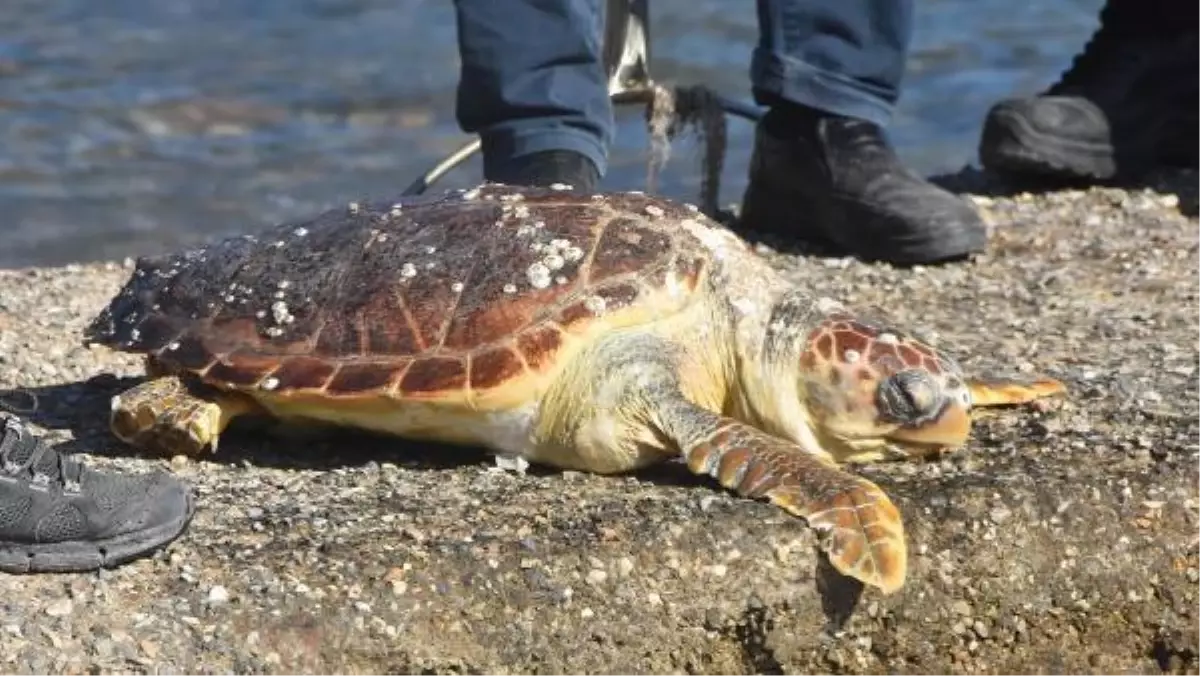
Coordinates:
1127 104
59 516
544 169
836 184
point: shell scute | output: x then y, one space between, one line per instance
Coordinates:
434 375
388 325
303 373
626 246
493 367
240 370
355 378
539 344
343 336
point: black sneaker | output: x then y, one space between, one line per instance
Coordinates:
58 516
836 184
544 169
1126 105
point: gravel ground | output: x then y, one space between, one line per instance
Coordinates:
1062 539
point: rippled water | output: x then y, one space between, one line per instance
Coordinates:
130 127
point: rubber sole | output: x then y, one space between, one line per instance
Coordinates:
80 556
1009 144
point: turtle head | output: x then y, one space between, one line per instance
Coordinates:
872 391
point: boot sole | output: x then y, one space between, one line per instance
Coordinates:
1010 145
85 556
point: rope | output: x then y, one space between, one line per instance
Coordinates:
695 108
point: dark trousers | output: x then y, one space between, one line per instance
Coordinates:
532 77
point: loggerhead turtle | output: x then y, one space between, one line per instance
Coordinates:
599 333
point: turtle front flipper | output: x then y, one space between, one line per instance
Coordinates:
862 529
167 415
1010 391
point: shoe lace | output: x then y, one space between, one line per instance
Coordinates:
24 454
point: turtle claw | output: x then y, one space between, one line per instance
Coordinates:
1012 391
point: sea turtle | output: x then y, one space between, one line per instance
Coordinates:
592 332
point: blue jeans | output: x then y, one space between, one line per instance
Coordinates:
532 77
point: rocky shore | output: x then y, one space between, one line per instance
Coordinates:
1062 539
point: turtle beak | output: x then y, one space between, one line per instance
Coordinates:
950 428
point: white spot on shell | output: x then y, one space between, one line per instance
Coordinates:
278 244
572 253
274 332
654 211
408 270
280 313
456 287
525 231
851 356
269 383
173 345
353 207
396 211
539 275
554 261
521 211
431 249
283 284
300 232
595 304
510 288
512 197
692 208
887 338
559 186
560 280
134 334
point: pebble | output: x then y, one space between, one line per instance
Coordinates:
217 595
60 608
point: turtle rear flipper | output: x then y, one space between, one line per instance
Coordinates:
1012 390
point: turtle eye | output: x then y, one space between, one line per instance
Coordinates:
909 396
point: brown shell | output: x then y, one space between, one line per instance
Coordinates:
417 298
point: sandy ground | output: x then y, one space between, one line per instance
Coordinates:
1062 539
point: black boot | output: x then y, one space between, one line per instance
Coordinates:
57 515
836 183
1127 104
544 169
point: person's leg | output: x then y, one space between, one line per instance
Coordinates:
533 87
823 170
1126 105
57 515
